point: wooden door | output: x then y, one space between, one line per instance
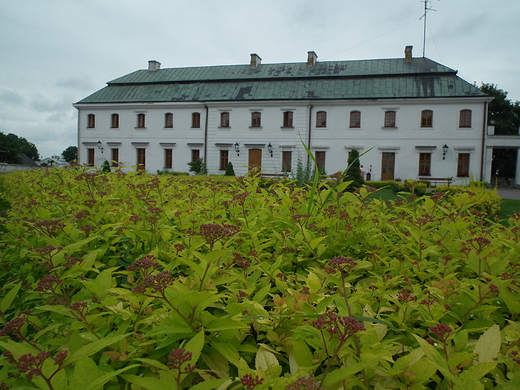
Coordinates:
387 166
255 161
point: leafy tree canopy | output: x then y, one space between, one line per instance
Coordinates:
11 146
70 154
504 114
353 171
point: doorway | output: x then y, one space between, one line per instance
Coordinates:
387 166
255 161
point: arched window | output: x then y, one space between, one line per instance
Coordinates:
195 120
114 121
141 121
168 120
465 118
256 119
91 121
321 119
355 119
288 119
427 118
224 119
389 118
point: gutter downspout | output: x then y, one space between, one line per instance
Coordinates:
206 135
484 135
309 132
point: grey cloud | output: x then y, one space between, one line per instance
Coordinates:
10 97
78 83
42 104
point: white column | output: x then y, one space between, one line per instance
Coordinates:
517 172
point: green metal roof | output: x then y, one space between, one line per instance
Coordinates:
366 79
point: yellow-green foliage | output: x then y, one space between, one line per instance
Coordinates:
476 197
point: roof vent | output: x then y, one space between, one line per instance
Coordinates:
153 65
408 53
311 58
255 60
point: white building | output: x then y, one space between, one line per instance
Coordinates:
417 117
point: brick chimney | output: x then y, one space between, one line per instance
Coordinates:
255 60
408 53
153 65
311 58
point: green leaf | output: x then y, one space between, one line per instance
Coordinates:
9 298
345 372
228 351
208 385
94 347
150 383
435 357
195 346
488 345
265 359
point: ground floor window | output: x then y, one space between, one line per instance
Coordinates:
115 157
463 165
141 159
286 161
168 158
320 161
224 158
195 155
425 161
91 153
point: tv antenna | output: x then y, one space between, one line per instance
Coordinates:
427 8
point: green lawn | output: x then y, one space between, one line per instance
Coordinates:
508 207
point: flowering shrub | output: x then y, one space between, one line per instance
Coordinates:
168 282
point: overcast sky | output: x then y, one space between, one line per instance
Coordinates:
56 52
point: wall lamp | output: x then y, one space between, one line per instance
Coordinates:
237 148
444 151
270 149
100 146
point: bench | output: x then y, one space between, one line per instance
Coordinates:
437 180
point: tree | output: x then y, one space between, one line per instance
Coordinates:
504 114
198 167
70 154
353 171
11 146
229 169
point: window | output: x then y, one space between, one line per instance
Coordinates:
141 121
91 121
255 119
425 160
114 121
320 161
321 119
427 118
286 161
389 118
195 120
288 119
224 158
224 119
465 118
168 120
168 158
90 157
355 119
115 157
141 159
195 155
463 165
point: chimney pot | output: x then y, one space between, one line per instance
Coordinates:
311 58
408 53
255 60
153 65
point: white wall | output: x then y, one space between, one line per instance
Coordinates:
336 139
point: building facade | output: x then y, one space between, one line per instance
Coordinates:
413 117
